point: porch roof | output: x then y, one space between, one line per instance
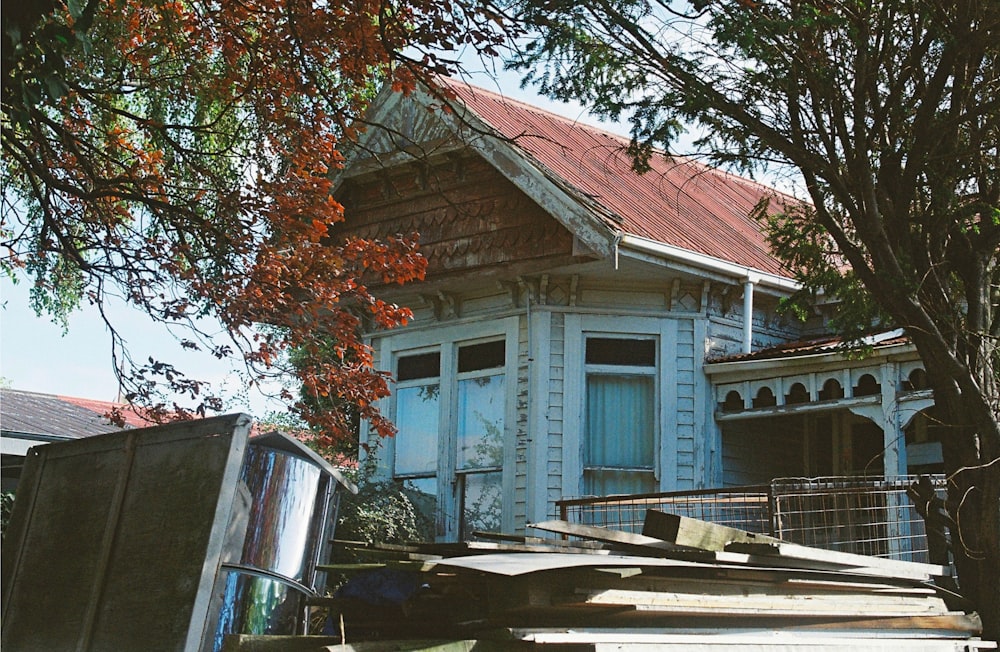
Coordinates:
818 346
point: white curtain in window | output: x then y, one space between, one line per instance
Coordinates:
619 450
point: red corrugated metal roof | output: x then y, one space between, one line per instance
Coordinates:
132 419
679 202
820 345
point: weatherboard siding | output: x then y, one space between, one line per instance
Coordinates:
523 450
683 380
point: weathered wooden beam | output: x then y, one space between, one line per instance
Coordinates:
849 561
690 532
718 639
255 643
605 535
693 533
872 605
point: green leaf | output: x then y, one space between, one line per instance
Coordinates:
55 86
88 45
75 8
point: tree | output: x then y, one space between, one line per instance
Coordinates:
888 110
178 153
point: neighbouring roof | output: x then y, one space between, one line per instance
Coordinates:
34 413
679 202
829 344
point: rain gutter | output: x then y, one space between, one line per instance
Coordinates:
710 263
749 276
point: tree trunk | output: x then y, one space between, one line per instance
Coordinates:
973 469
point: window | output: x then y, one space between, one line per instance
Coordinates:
479 436
620 424
450 410
417 417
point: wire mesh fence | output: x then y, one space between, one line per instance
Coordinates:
868 516
745 508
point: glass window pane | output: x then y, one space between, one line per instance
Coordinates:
482 500
424 365
480 422
417 421
422 493
621 351
620 421
481 356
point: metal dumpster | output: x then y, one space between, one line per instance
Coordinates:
164 538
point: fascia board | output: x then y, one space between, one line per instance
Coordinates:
533 181
703 272
724 268
383 117
18 443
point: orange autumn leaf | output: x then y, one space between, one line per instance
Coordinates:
179 153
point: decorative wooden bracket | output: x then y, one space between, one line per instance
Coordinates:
443 303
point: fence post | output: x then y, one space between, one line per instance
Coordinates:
772 511
898 524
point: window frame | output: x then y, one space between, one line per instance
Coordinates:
464 474
409 384
578 328
592 370
447 341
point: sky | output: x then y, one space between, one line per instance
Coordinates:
35 354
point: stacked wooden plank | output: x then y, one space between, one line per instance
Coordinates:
682 585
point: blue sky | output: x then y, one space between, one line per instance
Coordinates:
36 356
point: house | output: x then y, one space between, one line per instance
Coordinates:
585 330
32 418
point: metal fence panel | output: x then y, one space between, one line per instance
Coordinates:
868 516
745 508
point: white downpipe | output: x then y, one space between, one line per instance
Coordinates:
748 314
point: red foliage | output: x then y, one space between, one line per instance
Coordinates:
182 151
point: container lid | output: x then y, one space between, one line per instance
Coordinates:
281 441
